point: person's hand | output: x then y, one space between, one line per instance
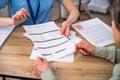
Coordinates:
41 65
66 28
85 48
20 16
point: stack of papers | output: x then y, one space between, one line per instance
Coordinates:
4 33
50 44
95 31
99 6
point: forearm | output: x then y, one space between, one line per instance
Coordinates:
109 53
6 22
73 11
73 16
116 72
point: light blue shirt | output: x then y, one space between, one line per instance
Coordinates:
41 9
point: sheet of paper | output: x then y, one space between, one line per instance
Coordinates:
95 31
41 28
73 38
36 38
50 44
98 3
69 58
4 33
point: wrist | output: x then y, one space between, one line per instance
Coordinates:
46 68
12 21
69 21
93 51
48 75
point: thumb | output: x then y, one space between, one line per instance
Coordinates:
67 32
45 60
83 52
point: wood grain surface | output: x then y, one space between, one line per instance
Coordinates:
14 60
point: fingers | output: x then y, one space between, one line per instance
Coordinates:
83 44
65 30
76 49
37 71
79 45
41 65
25 11
38 61
21 15
85 48
83 51
67 33
45 60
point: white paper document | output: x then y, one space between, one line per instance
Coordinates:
49 43
4 33
99 6
95 31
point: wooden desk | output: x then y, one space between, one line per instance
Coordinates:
15 62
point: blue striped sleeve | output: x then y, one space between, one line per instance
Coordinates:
3 3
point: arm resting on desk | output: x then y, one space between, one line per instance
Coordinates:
109 53
116 72
112 54
48 75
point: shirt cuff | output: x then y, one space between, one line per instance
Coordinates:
48 75
108 53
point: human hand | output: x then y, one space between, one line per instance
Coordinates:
41 65
66 28
20 16
85 48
